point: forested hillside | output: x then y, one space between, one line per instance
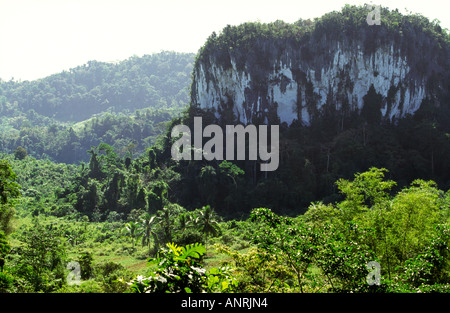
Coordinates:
89 191
122 104
157 81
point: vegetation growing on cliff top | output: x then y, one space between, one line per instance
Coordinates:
423 42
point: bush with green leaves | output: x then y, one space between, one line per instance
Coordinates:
343 255
179 270
6 282
41 260
86 267
258 271
111 276
430 269
291 243
406 232
9 190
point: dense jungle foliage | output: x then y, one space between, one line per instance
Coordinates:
97 204
123 104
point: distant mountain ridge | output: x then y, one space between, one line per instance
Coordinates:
159 81
124 105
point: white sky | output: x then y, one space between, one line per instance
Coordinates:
42 37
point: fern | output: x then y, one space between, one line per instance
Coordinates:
175 249
192 251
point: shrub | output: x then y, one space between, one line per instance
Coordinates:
6 282
179 270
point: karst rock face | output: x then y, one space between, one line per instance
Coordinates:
264 78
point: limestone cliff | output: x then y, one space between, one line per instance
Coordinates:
282 72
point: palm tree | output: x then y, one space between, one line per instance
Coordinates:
164 217
148 224
132 229
207 222
184 221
